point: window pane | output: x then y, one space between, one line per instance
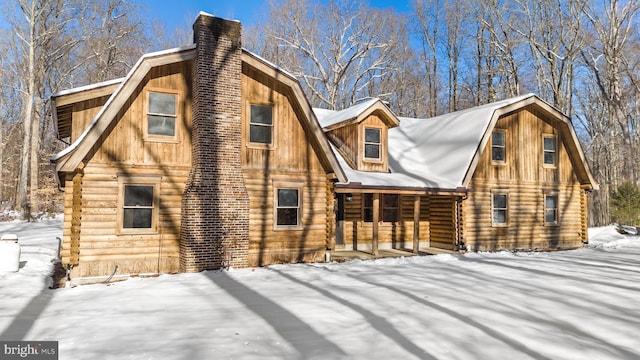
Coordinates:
390 215
551 202
390 201
135 195
549 144
372 135
162 125
287 216
550 216
499 201
368 200
368 215
260 134
161 103
372 151
497 154
498 138
288 197
261 114
499 216
137 218
549 158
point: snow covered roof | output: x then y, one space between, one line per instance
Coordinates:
443 147
331 119
439 152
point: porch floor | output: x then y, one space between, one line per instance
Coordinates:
346 255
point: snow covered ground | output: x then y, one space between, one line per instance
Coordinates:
582 304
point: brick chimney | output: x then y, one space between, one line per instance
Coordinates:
215 206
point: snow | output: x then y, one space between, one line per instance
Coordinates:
329 118
580 304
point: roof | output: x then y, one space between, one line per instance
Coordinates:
442 152
332 119
70 158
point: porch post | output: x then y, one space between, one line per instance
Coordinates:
376 216
416 224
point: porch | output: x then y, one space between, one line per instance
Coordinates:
339 255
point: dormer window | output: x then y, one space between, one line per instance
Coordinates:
372 143
549 150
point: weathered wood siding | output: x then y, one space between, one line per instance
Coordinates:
290 161
124 152
525 179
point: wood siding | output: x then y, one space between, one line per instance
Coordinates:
290 161
437 224
349 139
525 179
123 151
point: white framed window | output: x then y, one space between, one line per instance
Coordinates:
162 115
500 208
498 147
138 203
372 143
549 145
261 124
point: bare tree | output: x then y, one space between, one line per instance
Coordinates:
339 50
428 17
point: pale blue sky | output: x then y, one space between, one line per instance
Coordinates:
182 13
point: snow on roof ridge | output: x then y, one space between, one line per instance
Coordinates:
337 116
87 87
135 67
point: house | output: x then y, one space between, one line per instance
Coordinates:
208 156
506 175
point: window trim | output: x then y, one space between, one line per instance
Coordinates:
551 193
506 210
259 145
555 151
138 180
380 158
504 147
162 138
283 185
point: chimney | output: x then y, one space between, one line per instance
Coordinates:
215 206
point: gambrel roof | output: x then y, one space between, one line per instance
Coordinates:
120 90
442 152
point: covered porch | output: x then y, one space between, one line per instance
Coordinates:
378 222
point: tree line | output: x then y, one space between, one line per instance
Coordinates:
443 55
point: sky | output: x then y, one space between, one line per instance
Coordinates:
182 13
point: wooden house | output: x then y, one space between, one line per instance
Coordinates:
506 175
203 157
208 156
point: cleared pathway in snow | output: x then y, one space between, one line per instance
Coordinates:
580 304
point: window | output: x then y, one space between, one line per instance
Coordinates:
162 114
500 205
288 207
138 204
549 144
138 207
551 209
372 143
367 207
261 124
498 149
390 207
